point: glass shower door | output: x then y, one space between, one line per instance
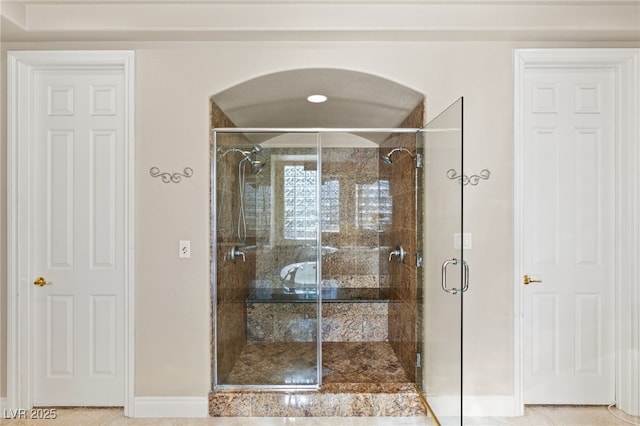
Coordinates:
266 274
444 275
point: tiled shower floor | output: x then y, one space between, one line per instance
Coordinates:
295 364
359 379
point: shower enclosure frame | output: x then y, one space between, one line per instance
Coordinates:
214 249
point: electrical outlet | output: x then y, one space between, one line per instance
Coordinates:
184 249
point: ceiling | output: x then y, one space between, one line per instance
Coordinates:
355 100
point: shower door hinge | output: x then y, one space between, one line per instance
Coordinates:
418 360
418 161
419 259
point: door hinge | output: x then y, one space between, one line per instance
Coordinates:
418 360
418 161
419 259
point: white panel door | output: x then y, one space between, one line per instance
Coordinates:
78 242
569 237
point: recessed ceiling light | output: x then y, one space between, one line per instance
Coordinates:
317 99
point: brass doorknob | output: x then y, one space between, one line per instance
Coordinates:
528 280
41 281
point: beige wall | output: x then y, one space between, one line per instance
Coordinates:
173 85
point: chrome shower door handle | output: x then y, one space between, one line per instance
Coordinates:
465 276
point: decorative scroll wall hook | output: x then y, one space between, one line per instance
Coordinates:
171 177
469 180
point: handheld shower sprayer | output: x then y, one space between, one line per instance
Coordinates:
257 165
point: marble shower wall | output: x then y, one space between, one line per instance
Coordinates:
232 278
356 263
402 278
353 230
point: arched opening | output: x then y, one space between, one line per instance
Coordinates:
305 293
354 100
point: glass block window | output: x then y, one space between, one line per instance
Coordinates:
385 205
373 205
330 206
300 216
300 196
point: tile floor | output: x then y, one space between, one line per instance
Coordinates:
534 416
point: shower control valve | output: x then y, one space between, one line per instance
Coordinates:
235 253
398 253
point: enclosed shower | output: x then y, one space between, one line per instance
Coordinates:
318 269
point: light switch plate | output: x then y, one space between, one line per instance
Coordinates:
462 241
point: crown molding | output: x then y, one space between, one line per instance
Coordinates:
291 20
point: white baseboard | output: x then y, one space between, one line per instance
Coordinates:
169 406
474 406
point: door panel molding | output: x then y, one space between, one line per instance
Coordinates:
21 68
625 63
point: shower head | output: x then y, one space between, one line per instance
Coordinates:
249 157
246 154
386 159
254 151
257 166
